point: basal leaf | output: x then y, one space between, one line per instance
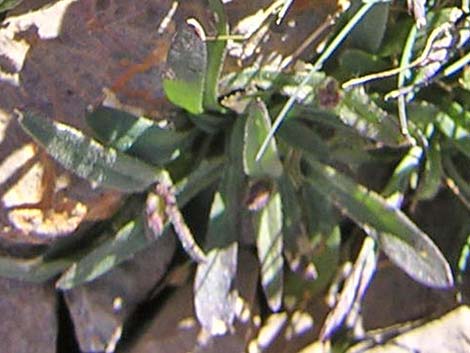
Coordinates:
186 70
113 251
269 242
320 246
215 57
425 264
87 158
431 180
299 135
368 34
353 289
233 180
206 174
357 110
138 136
458 132
400 180
257 127
358 62
36 269
214 298
213 295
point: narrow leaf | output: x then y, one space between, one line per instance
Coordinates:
431 181
138 136
233 181
425 264
257 128
127 241
357 110
214 298
35 270
215 56
298 134
400 180
186 69
368 34
322 245
87 158
269 243
353 289
205 175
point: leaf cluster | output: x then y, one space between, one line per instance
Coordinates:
285 196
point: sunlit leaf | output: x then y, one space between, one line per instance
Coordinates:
465 79
268 78
257 127
87 158
353 289
431 180
454 125
399 182
269 242
186 70
214 298
215 57
138 136
425 263
113 251
357 110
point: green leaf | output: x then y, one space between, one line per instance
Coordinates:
6 5
368 34
358 62
267 78
312 243
400 180
215 57
454 125
357 110
459 184
269 242
35 270
257 127
465 80
205 175
233 181
113 251
140 137
399 237
298 134
186 70
431 180
213 295
214 298
353 289
87 158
